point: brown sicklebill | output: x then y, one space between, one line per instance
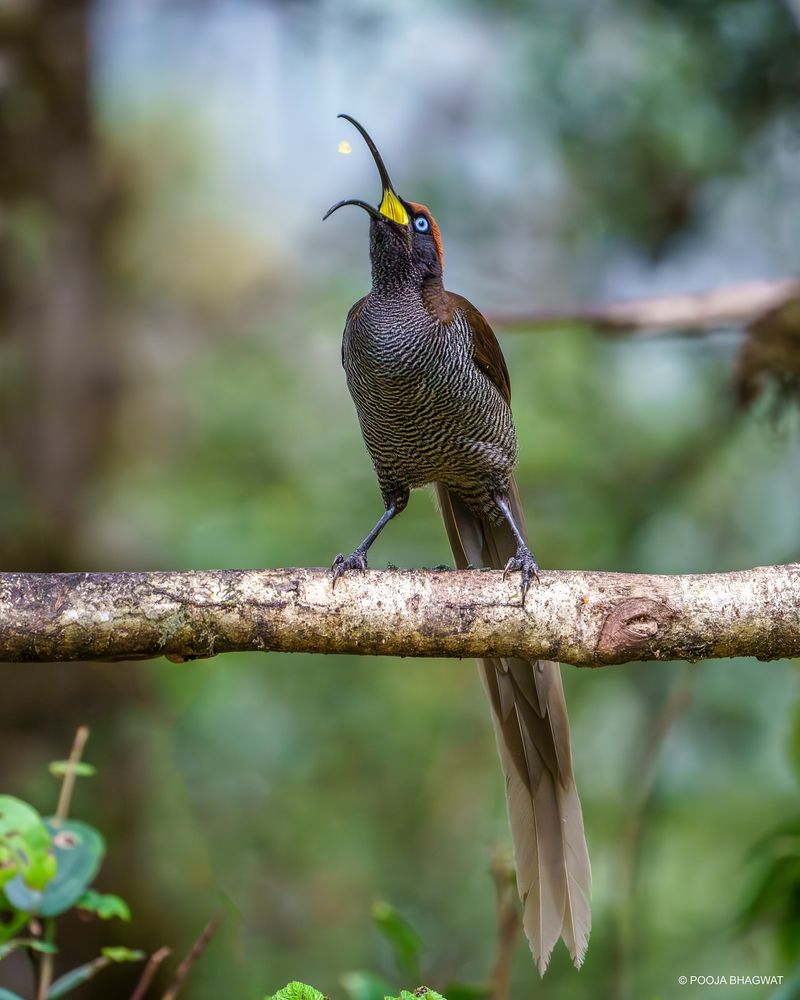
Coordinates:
432 392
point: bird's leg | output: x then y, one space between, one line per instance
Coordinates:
523 559
358 557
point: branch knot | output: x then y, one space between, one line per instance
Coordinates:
632 624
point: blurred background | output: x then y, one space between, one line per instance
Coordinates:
171 397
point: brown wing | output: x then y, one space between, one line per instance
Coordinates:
488 356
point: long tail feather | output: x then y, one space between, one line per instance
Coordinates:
532 731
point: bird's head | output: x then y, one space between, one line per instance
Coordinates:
405 246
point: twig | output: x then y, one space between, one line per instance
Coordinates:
149 972
198 948
68 784
509 924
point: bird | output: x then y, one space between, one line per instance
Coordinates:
433 397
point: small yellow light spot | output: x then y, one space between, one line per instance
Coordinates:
345 147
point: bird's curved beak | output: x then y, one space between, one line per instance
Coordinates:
391 207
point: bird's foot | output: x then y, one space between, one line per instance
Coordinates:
524 562
356 560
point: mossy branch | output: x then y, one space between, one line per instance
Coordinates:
588 619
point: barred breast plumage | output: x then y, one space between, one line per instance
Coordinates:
427 413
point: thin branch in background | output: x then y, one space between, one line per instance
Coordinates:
697 313
184 968
150 970
509 923
768 312
68 784
641 789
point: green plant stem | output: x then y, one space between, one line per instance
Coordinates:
46 965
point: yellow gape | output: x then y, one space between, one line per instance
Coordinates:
393 208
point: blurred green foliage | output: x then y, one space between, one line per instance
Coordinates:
46 868
299 991
171 397
406 947
775 899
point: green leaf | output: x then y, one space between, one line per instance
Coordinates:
32 944
43 947
104 905
365 986
405 943
8 995
297 991
9 946
25 847
62 767
77 977
117 954
79 849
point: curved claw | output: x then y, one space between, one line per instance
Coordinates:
524 562
357 560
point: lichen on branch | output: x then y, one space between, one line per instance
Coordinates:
587 619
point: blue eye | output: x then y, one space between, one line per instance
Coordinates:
421 224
